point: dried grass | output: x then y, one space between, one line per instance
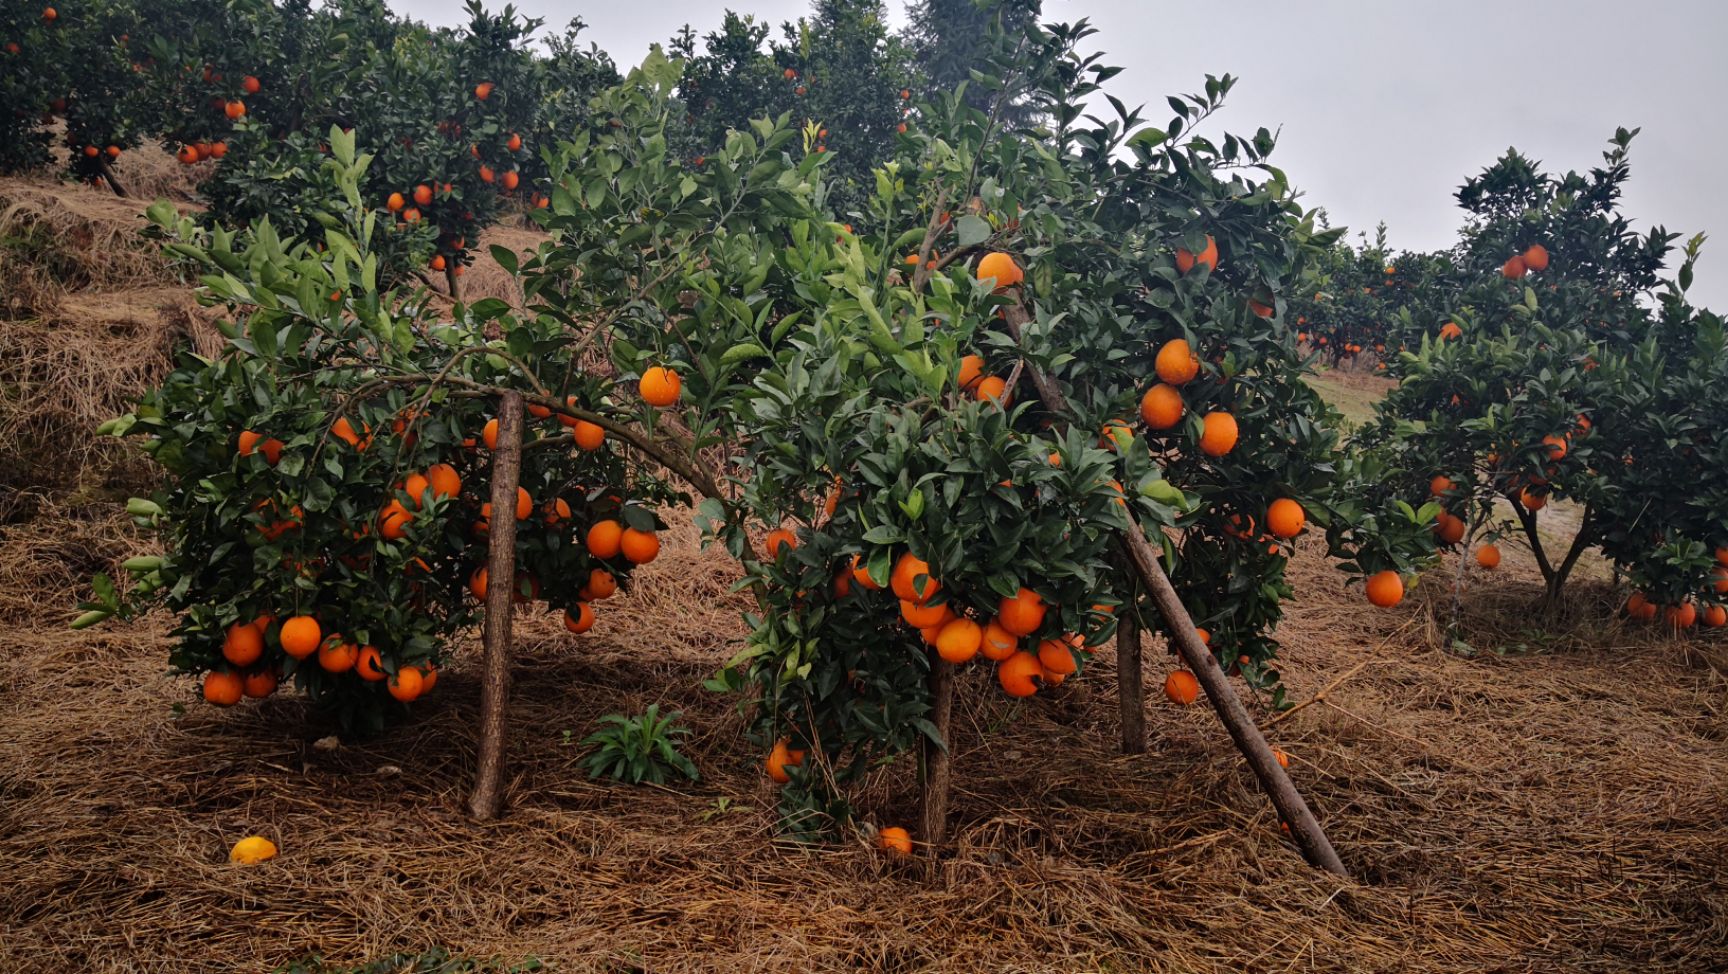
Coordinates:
1506 813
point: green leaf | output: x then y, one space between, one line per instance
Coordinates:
972 230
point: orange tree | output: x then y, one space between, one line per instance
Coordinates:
902 496
1667 529
1367 302
891 448
324 510
1536 386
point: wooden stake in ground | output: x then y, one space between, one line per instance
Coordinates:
1304 828
1130 684
487 798
936 759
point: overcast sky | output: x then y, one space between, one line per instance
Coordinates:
1384 106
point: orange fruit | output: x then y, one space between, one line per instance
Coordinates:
1204 634
243 644
640 547
1449 528
659 386
1536 258
1385 589
337 655
971 370
1440 485
1022 613
921 616
861 574
252 850
1450 331
582 620
1682 616
777 539
393 521
415 485
1019 673
1176 363
223 687
1282 758
443 480
1057 655
1488 556
406 684
895 840
997 643
423 194
489 434
1557 446
515 143
1722 556
301 636
1260 310
477 583
524 504
370 665
1716 616
1161 407
483 90
1001 267
589 436
1285 518
605 539
959 641
1532 502
259 683
1513 269
250 85
1185 259
1721 583
1635 604
991 388
512 180
344 431
558 510
911 580
1181 687
780 757
602 584
395 203
235 109
1218 434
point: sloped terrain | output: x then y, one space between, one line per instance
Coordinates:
1534 796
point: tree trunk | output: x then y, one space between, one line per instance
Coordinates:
455 295
935 759
1130 683
487 798
1304 828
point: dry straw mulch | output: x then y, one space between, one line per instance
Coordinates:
1559 810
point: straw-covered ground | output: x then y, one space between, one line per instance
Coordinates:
1526 797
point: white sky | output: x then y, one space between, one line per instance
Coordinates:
1384 106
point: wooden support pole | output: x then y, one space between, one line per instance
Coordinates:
487 798
1130 683
108 174
1304 828
936 760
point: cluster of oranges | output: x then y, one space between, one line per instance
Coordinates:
1686 614
248 674
1534 258
245 671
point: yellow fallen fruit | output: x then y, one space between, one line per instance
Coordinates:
252 849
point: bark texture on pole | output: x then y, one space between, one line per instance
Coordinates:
1304 828
1130 684
108 174
933 809
487 798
